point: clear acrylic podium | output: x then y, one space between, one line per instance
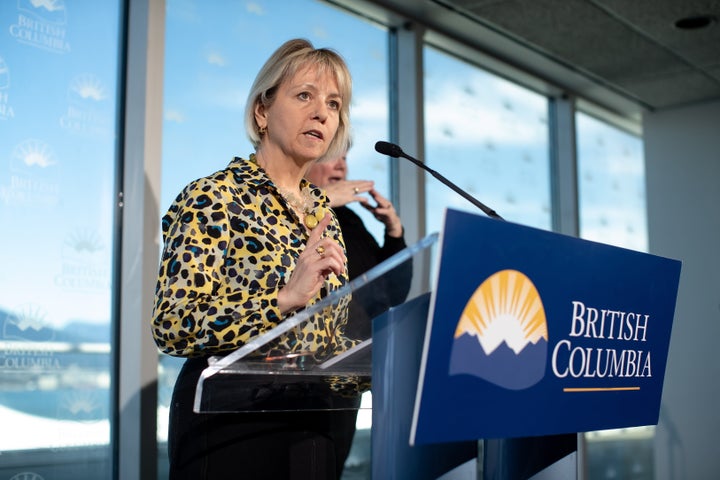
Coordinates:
262 376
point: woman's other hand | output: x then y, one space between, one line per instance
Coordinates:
384 211
342 192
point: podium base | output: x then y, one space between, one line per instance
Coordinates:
398 337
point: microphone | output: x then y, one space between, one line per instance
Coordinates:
392 150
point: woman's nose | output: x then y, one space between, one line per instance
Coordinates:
321 111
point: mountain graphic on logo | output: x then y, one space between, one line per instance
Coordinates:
502 333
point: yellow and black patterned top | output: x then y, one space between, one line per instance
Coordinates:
230 243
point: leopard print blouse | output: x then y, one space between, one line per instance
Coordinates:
230 243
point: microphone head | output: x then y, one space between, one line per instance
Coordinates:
389 149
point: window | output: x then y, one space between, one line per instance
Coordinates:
489 137
58 107
611 184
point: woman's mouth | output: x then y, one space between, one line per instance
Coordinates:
315 133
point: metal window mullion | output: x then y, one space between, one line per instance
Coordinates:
407 130
563 165
135 431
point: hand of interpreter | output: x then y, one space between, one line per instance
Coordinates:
343 192
384 211
322 256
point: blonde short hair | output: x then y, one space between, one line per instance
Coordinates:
287 60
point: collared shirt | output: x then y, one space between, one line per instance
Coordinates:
231 241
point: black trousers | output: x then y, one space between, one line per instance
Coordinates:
294 445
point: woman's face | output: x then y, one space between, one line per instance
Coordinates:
304 117
328 171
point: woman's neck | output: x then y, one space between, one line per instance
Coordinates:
284 171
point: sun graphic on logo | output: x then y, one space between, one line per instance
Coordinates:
81 404
84 241
32 153
28 322
83 247
502 333
87 87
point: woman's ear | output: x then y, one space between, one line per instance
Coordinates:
261 115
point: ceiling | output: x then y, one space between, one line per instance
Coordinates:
627 55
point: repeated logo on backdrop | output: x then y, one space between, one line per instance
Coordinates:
33 176
42 24
87 111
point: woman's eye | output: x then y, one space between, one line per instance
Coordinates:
304 96
335 105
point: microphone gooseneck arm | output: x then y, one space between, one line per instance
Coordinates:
392 150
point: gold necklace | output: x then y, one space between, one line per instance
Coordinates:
302 207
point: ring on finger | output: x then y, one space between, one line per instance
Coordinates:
320 251
356 190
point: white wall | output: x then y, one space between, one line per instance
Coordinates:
682 151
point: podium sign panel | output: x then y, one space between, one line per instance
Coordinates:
535 333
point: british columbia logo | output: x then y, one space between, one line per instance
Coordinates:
502 337
502 334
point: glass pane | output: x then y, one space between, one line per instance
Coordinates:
489 137
611 187
58 91
208 73
611 184
621 453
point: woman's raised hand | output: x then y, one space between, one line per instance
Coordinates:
322 256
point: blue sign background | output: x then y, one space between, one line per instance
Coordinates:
563 269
